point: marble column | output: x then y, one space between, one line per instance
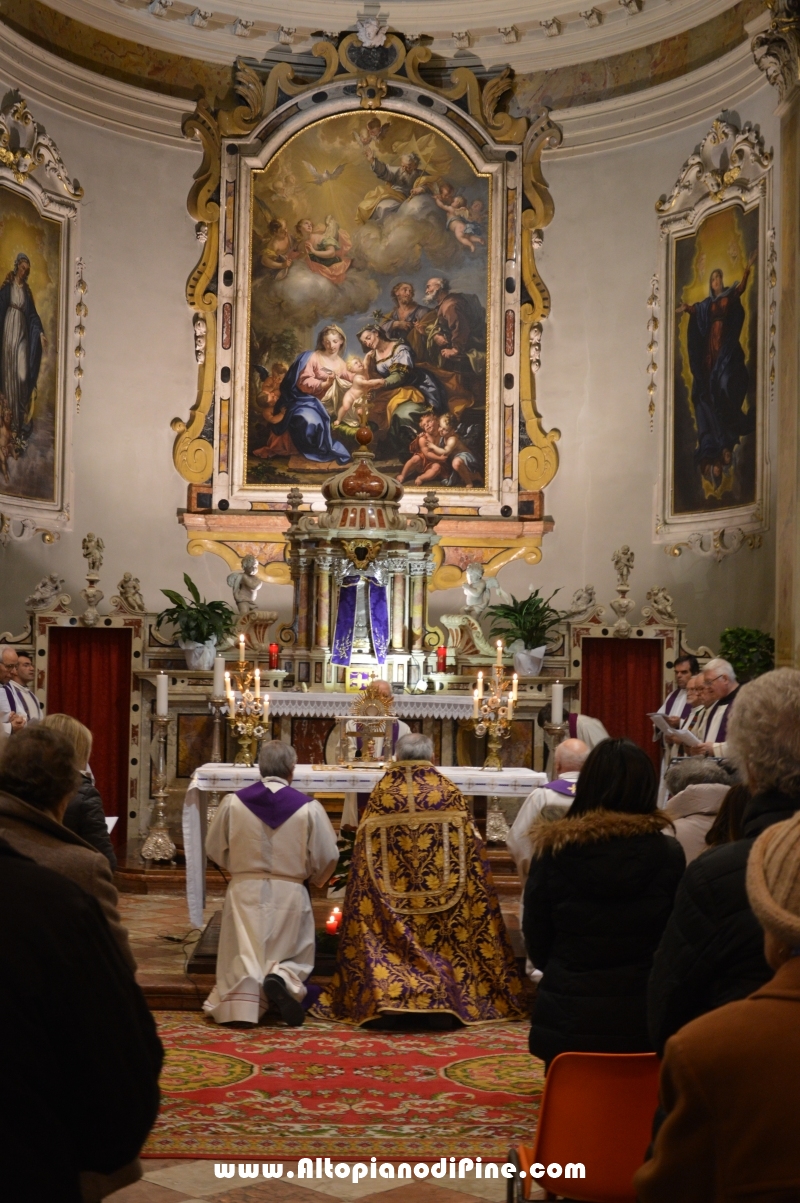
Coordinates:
322 633
398 606
417 605
303 624
777 53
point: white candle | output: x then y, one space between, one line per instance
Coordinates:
258 684
265 708
557 704
162 695
241 648
219 676
475 703
228 691
510 707
515 686
480 686
499 653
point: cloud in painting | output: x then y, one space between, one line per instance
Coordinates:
305 297
399 241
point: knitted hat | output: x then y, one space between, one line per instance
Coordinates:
773 880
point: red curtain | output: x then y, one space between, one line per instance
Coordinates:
89 677
621 684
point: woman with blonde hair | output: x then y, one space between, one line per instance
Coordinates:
84 814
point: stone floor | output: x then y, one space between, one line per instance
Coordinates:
193 1181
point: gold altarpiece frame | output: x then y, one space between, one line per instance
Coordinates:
496 519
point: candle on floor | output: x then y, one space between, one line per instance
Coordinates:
480 686
499 653
557 704
162 695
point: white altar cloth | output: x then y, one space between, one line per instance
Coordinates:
406 705
227 778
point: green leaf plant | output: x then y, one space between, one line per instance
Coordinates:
750 651
196 619
531 619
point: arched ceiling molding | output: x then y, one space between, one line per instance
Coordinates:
609 124
90 97
528 35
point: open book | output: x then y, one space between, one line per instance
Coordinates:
682 737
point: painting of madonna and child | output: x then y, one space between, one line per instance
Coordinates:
715 413
369 286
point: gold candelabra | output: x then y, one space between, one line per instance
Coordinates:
491 714
247 710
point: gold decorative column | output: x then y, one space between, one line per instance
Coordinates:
322 633
777 52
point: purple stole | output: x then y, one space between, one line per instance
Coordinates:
272 808
727 703
687 709
12 701
565 788
572 723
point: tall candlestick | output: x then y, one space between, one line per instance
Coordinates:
257 676
515 686
219 676
475 703
499 653
557 704
480 686
162 695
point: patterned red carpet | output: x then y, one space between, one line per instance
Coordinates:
328 1091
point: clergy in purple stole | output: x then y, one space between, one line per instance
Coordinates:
421 927
272 839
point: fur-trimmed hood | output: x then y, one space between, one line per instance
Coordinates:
594 827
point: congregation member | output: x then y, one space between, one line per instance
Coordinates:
697 787
38 778
422 932
720 679
272 839
712 949
81 1057
730 1080
547 802
22 680
84 814
600 889
13 716
727 825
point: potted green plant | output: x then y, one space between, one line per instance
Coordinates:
750 651
525 627
202 625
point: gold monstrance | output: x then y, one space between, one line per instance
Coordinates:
490 713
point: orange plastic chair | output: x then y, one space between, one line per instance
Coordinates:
597 1111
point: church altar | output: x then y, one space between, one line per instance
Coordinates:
228 778
330 705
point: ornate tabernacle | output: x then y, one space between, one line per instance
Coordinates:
370 724
360 572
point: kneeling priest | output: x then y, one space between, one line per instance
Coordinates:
421 928
271 839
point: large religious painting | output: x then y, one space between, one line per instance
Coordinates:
718 263
38 216
716 363
30 295
369 291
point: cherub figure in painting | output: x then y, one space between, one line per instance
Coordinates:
374 131
325 248
278 252
426 462
464 220
457 454
271 411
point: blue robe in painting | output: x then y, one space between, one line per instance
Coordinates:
307 420
719 373
20 403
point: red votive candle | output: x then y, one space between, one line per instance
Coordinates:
331 926
273 655
441 659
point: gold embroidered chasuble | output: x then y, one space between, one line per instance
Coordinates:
421 924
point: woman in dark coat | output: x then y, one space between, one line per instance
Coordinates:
84 815
599 892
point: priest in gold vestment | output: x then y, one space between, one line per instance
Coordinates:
421 929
